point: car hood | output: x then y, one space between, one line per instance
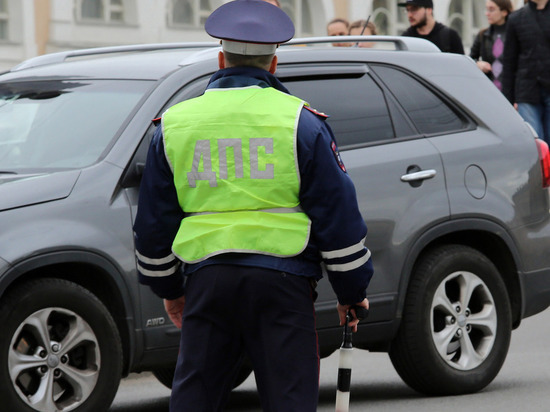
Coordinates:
28 189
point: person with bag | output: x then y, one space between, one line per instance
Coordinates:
488 47
526 70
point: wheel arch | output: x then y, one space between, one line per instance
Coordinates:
91 271
485 236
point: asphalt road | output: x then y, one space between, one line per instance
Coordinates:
522 385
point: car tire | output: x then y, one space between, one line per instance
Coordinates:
166 375
60 349
456 327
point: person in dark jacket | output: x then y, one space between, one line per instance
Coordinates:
245 185
488 46
526 71
424 26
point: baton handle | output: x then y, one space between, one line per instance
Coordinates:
345 361
360 312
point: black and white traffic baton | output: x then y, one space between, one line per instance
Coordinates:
345 361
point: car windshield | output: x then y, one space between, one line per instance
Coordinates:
62 123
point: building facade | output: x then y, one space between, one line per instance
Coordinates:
32 27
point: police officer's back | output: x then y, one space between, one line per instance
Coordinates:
245 185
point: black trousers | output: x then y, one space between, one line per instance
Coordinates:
267 315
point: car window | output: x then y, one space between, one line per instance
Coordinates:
189 91
62 124
429 113
356 106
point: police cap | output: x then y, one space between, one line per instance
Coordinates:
250 27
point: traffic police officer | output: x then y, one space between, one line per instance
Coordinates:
245 186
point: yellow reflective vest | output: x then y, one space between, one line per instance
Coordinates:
233 156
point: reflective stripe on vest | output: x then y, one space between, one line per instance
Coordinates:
233 155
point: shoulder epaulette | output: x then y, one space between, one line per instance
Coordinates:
318 113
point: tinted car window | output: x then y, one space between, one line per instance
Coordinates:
62 124
427 111
356 106
189 91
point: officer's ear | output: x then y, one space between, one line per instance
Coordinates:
221 60
273 65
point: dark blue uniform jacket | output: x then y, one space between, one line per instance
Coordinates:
327 196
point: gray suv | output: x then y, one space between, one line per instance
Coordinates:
452 183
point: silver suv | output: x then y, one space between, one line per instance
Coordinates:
452 184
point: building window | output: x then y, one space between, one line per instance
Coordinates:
182 12
307 24
300 13
3 19
382 22
480 20
116 10
456 16
189 12
204 11
111 11
381 17
91 9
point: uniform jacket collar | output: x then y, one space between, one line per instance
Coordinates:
243 77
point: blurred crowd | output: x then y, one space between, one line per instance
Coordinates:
513 50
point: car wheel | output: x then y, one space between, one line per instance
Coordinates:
456 326
60 349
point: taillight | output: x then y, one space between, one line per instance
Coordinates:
544 157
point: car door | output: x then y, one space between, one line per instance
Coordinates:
398 174
157 330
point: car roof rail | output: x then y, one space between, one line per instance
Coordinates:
395 42
60 57
399 43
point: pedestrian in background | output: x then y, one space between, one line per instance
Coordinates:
488 47
424 26
245 185
526 71
338 27
361 27
358 28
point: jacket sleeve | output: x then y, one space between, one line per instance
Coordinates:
328 197
510 60
475 51
157 222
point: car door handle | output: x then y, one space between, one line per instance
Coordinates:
420 175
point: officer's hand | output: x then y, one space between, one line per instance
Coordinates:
174 309
343 310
